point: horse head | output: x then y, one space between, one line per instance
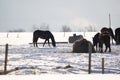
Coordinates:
54 44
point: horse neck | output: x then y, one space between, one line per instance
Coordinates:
52 38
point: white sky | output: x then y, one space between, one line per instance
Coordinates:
77 14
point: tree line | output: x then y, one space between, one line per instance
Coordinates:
44 26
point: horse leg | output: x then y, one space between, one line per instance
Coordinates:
106 48
36 44
44 42
96 47
101 47
112 41
118 39
109 45
109 48
48 43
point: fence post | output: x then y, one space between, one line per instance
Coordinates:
7 35
84 34
90 51
6 55
17 35
102 65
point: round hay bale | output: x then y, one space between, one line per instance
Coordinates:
82 46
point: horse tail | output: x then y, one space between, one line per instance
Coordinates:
35 37
53 40
117 34
112 34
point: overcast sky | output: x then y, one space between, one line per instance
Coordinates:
77 14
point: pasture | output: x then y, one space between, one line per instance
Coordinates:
24 59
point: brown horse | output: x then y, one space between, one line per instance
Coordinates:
102 38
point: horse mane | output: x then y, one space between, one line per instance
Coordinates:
53 40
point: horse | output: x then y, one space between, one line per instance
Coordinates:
43 35
117 35
110 31
102 38
96 40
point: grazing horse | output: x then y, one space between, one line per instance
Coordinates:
100 39
110 31
117 35
43 35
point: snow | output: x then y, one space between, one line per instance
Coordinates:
24 59
26 37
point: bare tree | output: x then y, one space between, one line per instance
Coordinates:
34 27
44 26
65 28
90 28
17 30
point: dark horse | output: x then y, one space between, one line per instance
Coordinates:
104 38
110 31
100 39
96 40
43 35
117 35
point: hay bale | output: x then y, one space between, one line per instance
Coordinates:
82 46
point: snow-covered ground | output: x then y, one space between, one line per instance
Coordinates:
24 59
26 37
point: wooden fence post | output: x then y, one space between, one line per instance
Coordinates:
102 65
7 35
18 35
90 51
6 55
84 34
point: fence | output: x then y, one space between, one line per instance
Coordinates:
15 38
89 62
6 59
